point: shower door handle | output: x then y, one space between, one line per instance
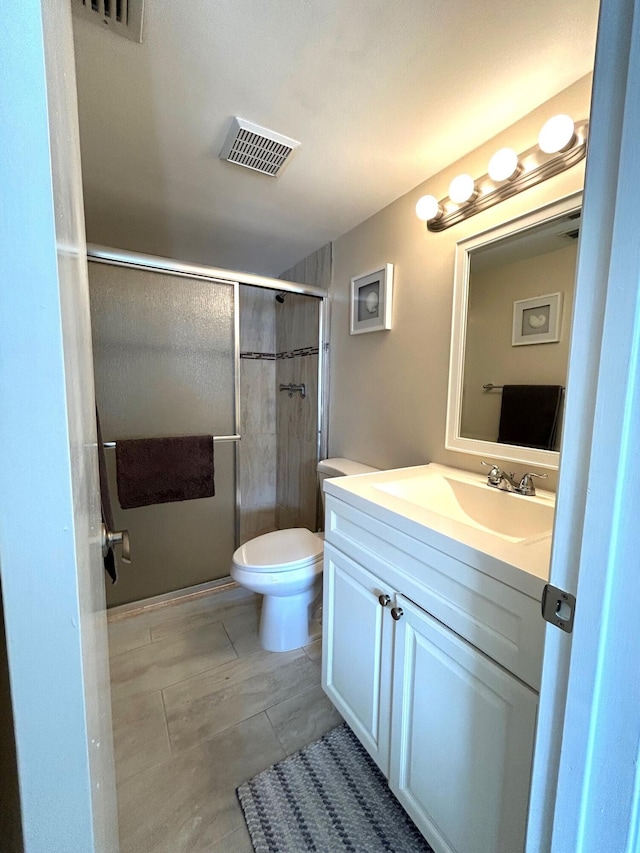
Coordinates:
110 538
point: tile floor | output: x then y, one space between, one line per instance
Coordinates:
199 708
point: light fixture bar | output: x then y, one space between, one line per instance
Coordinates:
534 167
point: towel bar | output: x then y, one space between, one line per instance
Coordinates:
491 387
215 438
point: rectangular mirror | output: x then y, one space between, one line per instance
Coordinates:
512 308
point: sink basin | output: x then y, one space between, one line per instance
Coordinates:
454 511
511 517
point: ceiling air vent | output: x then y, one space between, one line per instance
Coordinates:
257 148
123 17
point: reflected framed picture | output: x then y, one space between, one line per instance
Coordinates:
371 296
537 320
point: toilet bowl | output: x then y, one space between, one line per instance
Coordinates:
286 568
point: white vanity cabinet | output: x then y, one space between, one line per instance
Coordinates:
462 739
357 651
422 679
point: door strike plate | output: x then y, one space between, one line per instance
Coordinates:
558 607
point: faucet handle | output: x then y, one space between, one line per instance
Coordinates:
495 474
526 487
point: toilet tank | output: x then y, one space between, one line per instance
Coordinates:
339 467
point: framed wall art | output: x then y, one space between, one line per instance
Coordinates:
371 296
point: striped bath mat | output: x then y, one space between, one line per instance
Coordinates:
329 797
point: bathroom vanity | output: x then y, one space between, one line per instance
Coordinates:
432 643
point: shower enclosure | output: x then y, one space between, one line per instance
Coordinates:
180 352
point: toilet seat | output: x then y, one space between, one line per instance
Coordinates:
285 550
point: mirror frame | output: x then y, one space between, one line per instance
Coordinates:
453 440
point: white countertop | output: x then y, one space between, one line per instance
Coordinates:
524 565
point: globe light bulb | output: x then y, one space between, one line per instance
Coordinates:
461 189
428 208
503 165
556 134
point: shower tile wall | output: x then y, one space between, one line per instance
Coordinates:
297 419
257 449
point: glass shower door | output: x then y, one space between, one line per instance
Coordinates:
165 365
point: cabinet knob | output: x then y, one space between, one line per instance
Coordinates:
396 613
384 599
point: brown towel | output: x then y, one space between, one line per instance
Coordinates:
160 470
529 415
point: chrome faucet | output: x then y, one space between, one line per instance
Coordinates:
526 487
499 479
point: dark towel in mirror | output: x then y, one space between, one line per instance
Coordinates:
105 504
529 415
160 470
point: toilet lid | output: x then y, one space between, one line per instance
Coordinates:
287 549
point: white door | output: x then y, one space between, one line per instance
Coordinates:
462 739
357 650
50 561
586 786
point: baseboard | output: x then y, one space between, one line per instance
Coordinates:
179 596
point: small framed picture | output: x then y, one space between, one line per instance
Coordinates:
371 301
537 320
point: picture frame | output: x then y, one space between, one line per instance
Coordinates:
371 301
537 320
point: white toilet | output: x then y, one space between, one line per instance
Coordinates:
286 567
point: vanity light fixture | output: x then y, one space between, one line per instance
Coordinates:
561 144
462 189
428 208
557 134
504 165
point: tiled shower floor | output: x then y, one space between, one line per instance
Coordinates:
199 708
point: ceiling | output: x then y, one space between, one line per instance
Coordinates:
541 239
382 94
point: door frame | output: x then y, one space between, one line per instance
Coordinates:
586 787
50 555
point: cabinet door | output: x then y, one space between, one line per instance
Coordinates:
357 651
462 740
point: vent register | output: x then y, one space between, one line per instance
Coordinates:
257 148
123 17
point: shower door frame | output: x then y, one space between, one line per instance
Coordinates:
217 275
